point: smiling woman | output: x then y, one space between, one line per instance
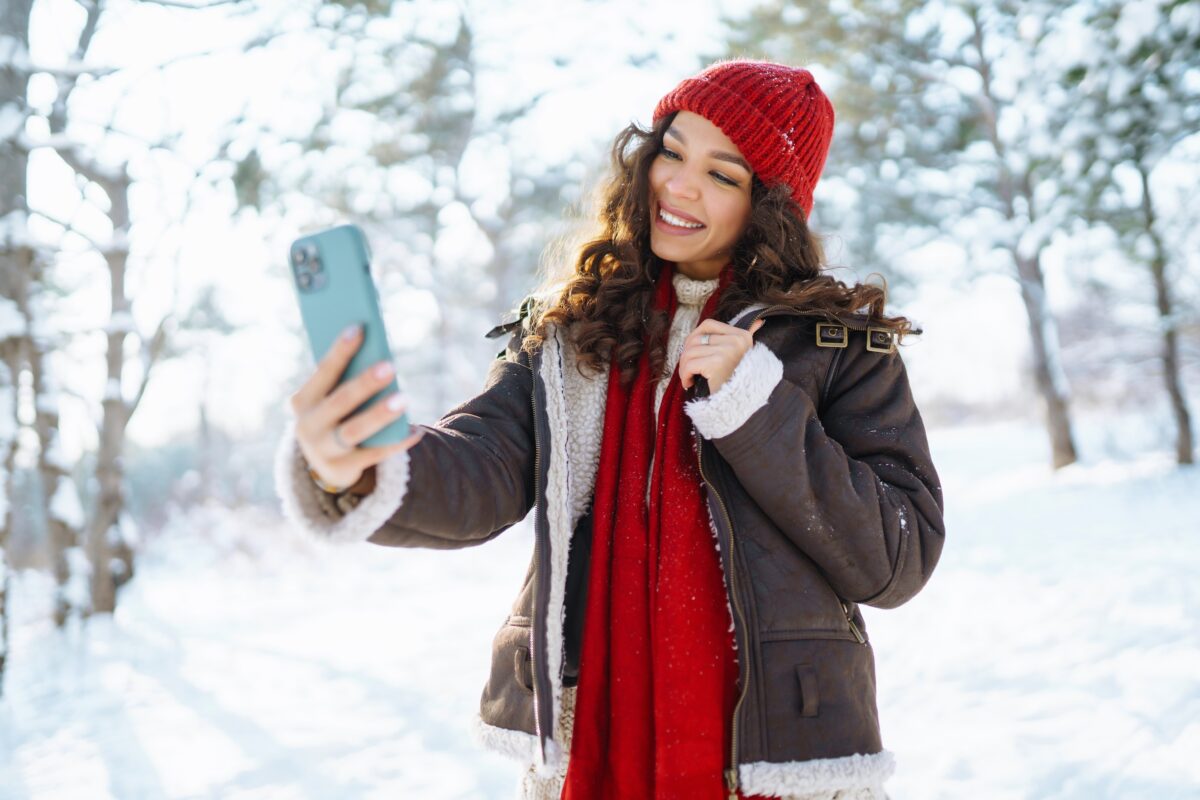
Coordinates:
724 461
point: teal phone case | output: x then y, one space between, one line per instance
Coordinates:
332 276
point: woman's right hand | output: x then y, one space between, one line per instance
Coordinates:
320 408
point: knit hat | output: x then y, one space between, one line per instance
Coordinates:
776 115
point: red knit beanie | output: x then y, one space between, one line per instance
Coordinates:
776 115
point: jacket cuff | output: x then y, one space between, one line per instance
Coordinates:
316 513
855 777
746 391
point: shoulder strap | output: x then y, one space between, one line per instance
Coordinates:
519 314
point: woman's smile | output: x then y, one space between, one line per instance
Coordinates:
676 223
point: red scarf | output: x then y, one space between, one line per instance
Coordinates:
658 668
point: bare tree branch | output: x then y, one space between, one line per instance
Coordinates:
151 351
68 227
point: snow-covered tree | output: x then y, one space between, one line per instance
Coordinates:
102 531
940 135
406 141
1132 74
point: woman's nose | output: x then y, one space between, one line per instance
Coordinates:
682 184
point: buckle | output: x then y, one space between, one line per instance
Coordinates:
831 334
881 340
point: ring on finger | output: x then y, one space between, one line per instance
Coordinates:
337 437
704 338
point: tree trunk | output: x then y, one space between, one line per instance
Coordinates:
111 562
9 365
60 497
16 257
1047 371
110 557
1184 454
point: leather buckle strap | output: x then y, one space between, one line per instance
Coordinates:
881 340
831 334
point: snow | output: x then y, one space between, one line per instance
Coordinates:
14 229
12 121
77 591
14 54
124 532
1053 654
8 433
118 241
12 50
65 505
1137 24
12 321
120 322
54 455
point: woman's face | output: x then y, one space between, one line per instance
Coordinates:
701 182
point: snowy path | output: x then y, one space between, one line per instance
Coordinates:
1055 654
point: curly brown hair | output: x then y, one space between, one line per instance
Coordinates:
606 298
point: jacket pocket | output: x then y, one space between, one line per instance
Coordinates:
818 695
522 663
507 699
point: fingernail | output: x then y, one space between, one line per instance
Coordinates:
350 332
383 370
395 402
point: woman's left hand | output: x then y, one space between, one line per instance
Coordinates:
717 359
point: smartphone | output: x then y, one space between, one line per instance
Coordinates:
332 275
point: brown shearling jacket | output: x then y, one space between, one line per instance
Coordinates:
823 497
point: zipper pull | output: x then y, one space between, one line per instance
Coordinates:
731 781
853 628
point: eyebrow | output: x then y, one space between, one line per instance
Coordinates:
718 154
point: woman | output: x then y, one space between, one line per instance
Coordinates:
725 461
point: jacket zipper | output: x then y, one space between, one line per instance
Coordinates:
731 774
537 541
850 619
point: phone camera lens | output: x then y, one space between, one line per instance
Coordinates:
304 279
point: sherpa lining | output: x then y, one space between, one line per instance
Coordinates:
310 512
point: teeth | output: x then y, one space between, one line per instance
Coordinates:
674 220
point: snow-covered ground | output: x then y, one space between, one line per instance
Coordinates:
1055 654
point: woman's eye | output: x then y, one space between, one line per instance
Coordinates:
719 176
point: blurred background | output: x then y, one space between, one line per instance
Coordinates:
1022 175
